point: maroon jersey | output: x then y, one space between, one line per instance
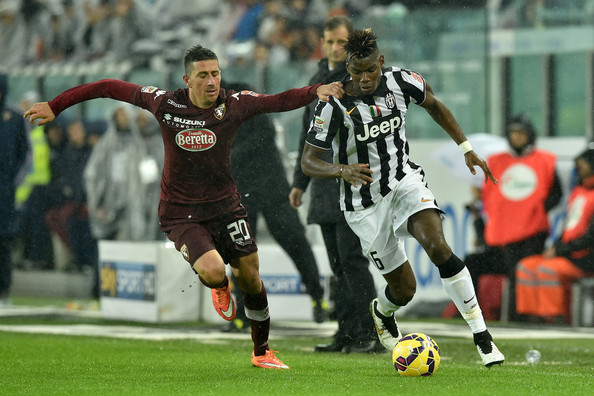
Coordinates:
197 141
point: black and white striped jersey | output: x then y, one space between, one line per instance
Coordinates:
370 129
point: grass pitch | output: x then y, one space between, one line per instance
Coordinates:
45 364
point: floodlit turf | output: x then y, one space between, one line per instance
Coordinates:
74 365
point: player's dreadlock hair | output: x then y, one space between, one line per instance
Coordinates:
361 44
195 54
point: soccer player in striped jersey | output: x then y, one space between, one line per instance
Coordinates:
384 196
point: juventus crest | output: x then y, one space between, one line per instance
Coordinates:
390 100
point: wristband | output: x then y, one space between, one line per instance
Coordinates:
465 146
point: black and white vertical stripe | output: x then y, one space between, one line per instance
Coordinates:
356 136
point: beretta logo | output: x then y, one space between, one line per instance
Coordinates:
196 139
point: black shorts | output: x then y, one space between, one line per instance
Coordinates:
196 229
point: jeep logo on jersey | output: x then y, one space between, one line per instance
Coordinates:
380 126
196 139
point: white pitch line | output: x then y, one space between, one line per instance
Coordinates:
287 330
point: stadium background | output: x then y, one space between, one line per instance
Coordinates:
484 69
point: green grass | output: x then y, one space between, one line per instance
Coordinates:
32 364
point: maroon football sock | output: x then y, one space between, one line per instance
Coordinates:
257 311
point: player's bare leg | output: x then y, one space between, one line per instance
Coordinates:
211 269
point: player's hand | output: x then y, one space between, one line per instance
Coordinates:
40 111
357 173
333 89
472 159
295 197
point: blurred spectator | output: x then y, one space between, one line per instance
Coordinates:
531 14
129 22
37 17
96 34
13 150
95 130
516 208
274 13
517 13
68 217
113 182
303 41
577 241
151 167
298 9
56 138
164 16
247 27
273 33
14 38
32 198
223 28
540 289
66 27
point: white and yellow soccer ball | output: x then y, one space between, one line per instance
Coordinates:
416 355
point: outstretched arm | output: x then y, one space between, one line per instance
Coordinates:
444 117
295 98
313 165
106 88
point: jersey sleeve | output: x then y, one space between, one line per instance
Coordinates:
149 97
252 103
106 88
414 85
324 125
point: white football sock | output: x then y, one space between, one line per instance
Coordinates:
385 306
460 289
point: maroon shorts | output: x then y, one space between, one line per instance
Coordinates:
196 229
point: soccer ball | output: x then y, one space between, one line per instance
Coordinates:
416 355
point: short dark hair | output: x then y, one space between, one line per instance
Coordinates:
361 44
337 21
521 122
195 54
587 156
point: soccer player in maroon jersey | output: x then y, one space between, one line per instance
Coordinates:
200 209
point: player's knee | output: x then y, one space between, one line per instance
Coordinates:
210 269
438 250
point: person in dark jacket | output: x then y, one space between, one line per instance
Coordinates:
264 188
355 287
14 148
68 215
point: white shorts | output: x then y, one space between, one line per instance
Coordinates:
382 226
